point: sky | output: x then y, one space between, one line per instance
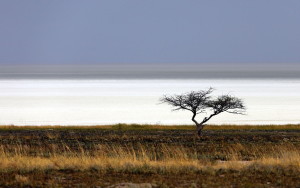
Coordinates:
147 32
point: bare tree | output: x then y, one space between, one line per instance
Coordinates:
201 102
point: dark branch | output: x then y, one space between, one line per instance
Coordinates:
227 103
194 101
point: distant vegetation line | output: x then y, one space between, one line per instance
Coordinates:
122 126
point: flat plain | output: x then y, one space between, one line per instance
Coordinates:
149 156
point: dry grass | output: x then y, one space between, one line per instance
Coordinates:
244 156
142 159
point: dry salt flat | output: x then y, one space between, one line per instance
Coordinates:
100 101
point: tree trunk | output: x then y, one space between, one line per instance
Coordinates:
199 129
199 126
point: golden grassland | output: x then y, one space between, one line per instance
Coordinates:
169 156
165 159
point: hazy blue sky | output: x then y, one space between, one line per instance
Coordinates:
156 31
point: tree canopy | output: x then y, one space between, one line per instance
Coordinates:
202 102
